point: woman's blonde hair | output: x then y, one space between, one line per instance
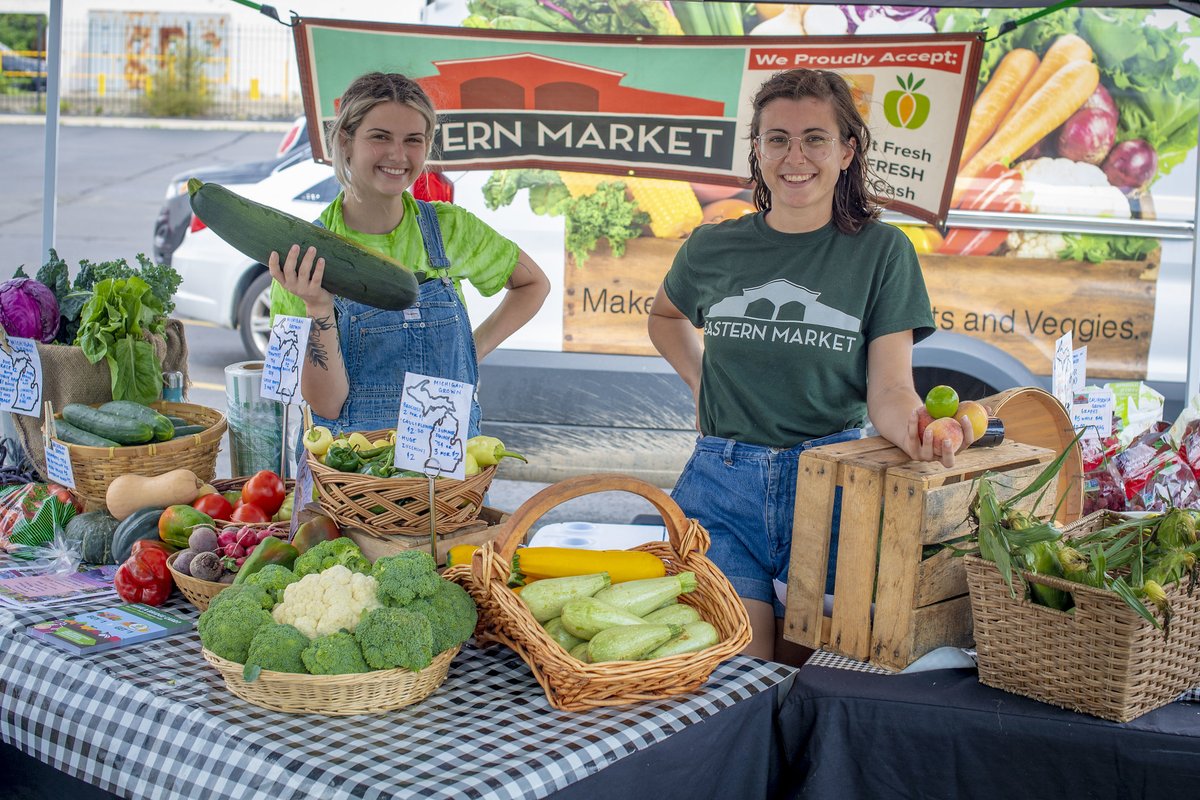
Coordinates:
855 202
366 92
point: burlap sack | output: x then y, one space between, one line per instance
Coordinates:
68 377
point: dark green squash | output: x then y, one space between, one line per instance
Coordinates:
141 524
93 532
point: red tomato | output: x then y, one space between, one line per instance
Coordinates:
264 490
215 505
248 512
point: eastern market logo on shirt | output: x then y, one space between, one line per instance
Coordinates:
781 311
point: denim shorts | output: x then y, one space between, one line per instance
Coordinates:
745 496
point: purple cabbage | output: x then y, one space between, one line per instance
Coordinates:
857 15
28 309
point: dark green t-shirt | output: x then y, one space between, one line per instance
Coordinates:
787 318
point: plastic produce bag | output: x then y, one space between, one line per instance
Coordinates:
31 513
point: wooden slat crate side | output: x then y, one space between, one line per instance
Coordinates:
946 624
939 578
947 506
858 542
805 608
970 463
899 556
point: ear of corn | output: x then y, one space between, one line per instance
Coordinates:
672 205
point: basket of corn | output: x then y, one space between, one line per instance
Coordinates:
1099 617
605 628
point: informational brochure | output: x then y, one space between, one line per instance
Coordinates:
97 631
32 591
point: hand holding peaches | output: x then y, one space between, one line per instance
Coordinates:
945 426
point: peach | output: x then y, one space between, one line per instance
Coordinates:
923 420
976 413
942 429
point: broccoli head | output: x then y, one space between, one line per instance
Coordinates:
335 654
395 637
451 614
278 648
274 578
406 576
326 554
228 627
243 590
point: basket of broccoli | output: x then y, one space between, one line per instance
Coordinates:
337 634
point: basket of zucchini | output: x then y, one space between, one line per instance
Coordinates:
575 682
122 437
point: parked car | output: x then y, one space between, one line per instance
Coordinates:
222 286
26 71
176 213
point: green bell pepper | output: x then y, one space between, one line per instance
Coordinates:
271 550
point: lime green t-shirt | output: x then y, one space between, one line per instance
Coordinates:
787 318
477 252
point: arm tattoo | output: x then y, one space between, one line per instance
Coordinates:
318 355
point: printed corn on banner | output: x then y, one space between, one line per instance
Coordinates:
650 107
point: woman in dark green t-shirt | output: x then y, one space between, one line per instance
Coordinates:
800 304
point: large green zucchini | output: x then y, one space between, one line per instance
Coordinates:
255 230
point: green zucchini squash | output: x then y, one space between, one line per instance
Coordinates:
163 428
255 230
120 429
176 421
188 430
141 524
66 432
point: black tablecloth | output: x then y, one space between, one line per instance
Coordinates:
942 734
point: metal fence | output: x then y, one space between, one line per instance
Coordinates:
187 65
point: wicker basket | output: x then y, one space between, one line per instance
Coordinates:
236 484
199 593
569 684
96 467
1101 658
361 693
401 504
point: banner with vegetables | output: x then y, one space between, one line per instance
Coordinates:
1088 109
648 107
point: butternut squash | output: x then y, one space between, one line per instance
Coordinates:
128 493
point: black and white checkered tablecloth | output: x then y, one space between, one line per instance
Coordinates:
156 721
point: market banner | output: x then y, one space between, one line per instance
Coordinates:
673 107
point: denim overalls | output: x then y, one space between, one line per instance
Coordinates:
433 337
745 496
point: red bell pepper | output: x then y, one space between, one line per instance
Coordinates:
997 188
144 577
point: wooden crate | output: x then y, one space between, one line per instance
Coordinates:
890 606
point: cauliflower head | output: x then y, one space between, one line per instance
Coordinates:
326 602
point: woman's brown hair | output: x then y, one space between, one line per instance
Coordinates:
854 200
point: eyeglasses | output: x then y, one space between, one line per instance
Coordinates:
776 145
